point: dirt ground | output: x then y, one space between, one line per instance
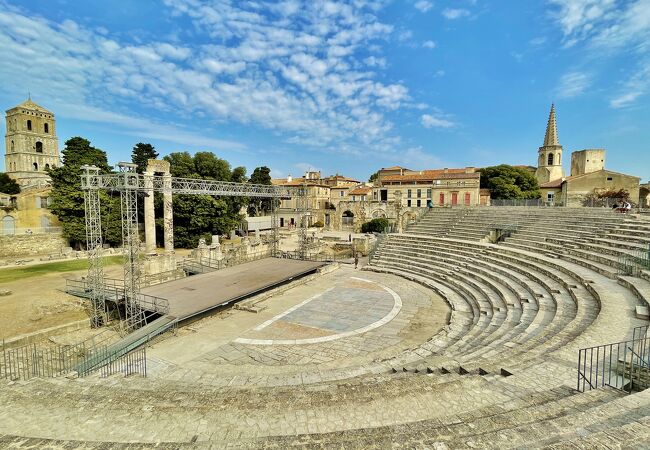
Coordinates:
39 302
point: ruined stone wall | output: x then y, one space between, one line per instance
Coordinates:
31 244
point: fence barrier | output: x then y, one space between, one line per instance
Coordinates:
621 365
634 263
133 363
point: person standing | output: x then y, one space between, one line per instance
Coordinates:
356 260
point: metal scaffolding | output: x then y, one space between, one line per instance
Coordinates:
94 243
129 183
135 316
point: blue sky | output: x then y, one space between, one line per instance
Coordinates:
345 87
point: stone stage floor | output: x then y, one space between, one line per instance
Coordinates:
332 324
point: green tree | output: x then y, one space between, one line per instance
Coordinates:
8 185
373 177
260 206
508 182
375 225
68 198
197 216
141 154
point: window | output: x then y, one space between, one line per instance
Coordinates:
442 198
550 159
47 166
428 193
468 198
408 194
12 146
341 193
408 203
39 147
419 194
609 178
419 203
363 198
46 128
35 166
550 197
29 125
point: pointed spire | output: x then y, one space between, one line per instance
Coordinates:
551 130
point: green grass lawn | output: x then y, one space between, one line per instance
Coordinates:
18 273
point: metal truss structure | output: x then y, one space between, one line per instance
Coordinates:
94 243
117 182
135 316
130 184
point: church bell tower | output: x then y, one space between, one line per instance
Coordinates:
549 162
31 145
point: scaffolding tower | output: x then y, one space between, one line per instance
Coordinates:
92 206
130 184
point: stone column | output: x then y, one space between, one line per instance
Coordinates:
149 215
168 213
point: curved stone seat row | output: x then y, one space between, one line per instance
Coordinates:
413 253
564 308
494 377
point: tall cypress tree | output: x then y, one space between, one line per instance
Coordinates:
68 197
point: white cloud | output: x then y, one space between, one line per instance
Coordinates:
577 17
435 121
429 44
310 80
405 35
422 159
540 40
573 84
634 88
423 5
304 167
455 13
611 29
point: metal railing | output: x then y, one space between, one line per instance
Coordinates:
530 202
621 365
129 343
133 363
114 291
204 265
30 361
633 264
373 251
312 256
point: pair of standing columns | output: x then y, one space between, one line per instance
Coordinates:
150 215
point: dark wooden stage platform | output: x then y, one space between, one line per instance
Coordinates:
200 293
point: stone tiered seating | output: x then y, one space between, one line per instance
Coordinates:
501 374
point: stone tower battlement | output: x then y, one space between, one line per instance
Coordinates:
31 145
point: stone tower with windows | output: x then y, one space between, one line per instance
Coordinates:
549 162
31 145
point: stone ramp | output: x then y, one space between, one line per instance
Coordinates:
141 336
